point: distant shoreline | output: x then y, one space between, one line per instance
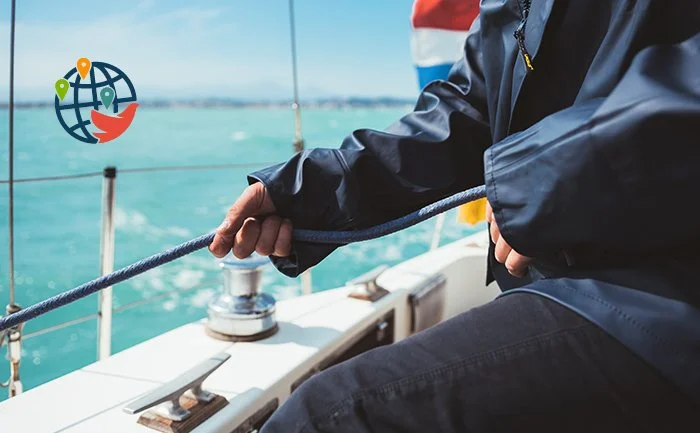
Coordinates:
334 103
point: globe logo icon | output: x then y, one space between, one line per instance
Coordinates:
95 102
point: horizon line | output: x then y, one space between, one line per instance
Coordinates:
225 101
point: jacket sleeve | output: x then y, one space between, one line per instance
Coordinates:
374 176
612 177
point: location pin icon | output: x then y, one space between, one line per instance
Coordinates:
62 85
107 96
83 66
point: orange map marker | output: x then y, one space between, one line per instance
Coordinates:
83 66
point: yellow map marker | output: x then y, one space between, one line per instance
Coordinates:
83 66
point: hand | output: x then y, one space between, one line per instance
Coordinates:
515 262
251 225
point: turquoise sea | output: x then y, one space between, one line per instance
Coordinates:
57 224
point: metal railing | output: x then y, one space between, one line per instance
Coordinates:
104 301
437 231
14 334
105 307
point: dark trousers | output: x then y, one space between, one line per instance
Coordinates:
518 364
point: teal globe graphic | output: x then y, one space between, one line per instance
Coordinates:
74 110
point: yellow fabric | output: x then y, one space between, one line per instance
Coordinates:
472 213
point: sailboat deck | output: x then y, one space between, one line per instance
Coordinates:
311 328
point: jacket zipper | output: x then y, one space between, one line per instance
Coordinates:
519 33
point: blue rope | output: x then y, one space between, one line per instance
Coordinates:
329 237
422 214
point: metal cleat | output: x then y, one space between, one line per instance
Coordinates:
188 385
365 286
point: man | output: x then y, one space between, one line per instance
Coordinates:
581 117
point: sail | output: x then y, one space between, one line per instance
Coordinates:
439 28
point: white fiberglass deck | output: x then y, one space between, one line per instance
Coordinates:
91 399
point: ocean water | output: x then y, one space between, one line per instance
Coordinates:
57 224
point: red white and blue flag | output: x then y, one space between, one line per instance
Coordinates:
439 31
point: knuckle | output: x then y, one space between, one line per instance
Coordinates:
264 249
240 237
272 224
257 194
495 233
283 247
233 210
242 250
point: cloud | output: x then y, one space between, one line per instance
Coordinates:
192 51
176 53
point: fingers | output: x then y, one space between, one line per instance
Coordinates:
271 236
517 264
253 201
268 235
223 240
493 226
246 238
502 250
495 233
283 245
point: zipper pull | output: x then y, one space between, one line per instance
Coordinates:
520 37
519 33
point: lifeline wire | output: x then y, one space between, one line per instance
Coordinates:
328 237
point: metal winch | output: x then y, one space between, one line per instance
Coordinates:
241 312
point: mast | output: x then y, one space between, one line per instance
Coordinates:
10 184
14 334
298 139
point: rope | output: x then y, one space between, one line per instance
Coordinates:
328 237
429 211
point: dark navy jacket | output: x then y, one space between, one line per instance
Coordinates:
591 162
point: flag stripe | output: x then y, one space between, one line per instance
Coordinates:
427 74
444 14
430 47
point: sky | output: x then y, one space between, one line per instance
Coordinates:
214 48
